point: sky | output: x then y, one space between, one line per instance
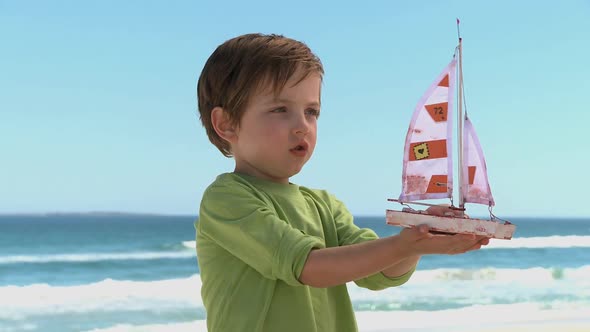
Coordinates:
98 98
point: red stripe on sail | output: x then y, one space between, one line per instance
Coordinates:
437 184
444 81
428 150
471 170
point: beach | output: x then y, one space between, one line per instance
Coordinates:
386 322
502 319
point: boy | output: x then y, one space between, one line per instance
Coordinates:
275 256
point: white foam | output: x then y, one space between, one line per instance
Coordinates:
445 288
107 295
94 257
535 274
464 319
190 244
437 287
555 241
470 318
568 241
195 326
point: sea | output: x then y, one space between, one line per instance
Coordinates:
125 272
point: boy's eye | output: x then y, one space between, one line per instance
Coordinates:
279 110
313 112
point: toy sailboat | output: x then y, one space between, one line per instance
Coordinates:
428 163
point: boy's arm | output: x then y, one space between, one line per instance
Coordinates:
349 233
338 265
402 267
393 255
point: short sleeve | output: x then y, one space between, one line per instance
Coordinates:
240 220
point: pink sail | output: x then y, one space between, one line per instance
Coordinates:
428 163
476 187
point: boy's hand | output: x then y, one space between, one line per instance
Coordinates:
446 211
421 242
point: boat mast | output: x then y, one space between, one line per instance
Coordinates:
460 119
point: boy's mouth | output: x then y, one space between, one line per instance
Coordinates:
300 148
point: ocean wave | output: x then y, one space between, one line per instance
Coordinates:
443 289
556 241
486 284
199 325
532 275
189 244
94 257
186 249
524 316
473 318
104 296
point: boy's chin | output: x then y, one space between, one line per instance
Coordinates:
296 170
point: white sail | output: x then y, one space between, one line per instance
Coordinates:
475 186
428 163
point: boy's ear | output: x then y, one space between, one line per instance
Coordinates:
222 125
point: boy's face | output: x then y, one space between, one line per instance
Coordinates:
277 133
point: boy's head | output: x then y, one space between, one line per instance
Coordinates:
243 66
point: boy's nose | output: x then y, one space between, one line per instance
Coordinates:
301 132
301 129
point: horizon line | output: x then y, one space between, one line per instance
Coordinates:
158 214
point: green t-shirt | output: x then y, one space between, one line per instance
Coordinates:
253 238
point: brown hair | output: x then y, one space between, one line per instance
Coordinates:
240 67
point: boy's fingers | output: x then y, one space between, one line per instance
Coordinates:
423 229
484 241
417 232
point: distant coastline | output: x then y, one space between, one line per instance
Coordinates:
148 214
93 213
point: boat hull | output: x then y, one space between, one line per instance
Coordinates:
489 228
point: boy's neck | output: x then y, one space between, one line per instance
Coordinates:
262 177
